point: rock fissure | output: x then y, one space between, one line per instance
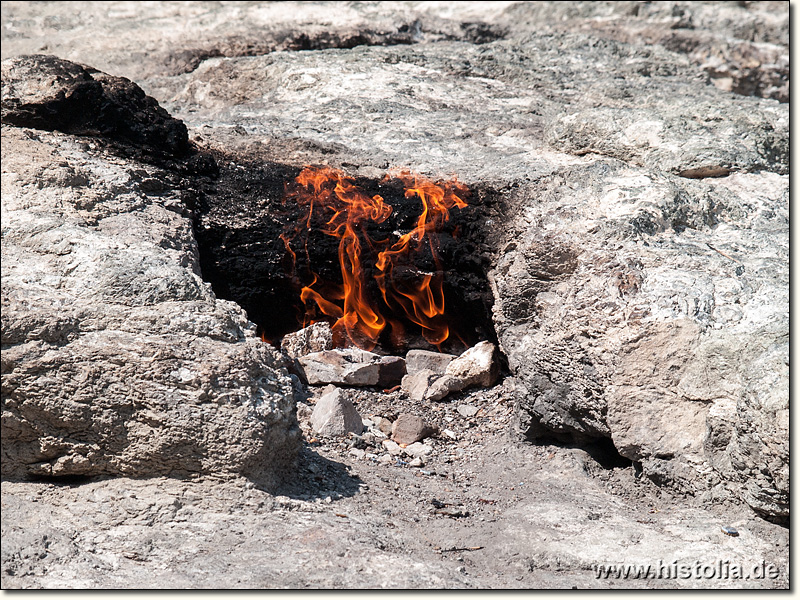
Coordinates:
633 298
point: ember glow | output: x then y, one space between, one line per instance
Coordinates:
328 196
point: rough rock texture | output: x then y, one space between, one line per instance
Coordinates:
476 366
117 358
639 154
351 366
418 360
314 338
46 92
334 414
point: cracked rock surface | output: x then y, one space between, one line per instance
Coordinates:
636 159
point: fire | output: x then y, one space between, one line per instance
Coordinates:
330 195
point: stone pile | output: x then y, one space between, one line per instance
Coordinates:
422 374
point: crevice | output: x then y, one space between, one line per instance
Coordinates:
239 220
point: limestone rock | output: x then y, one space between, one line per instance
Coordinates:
335 415
314 338
117 357
418 360
417 385
638 239
418 450
475 367
46 92
351 366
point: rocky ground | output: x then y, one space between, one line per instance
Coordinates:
627 241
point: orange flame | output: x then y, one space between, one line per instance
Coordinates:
324 190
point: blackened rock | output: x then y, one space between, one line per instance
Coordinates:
46 92
391 372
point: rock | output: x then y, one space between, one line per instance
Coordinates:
335 415
385 425
420 360
118 359
351 366
408 429
416 385
357 453
416 462
46 92
391 371
467 410
418 449
392 447
475 367
631 163
314 338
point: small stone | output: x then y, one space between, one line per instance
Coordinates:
420 360
476 366
467 410
386 459
392 447
416 462
314 338
335 415
385 425
418 449
408 429
450 434
357 453
416 384
441 387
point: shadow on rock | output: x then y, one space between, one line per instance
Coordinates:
318 477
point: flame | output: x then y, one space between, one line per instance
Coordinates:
421 301
331 195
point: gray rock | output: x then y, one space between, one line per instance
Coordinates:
117 357
467 410
475 367
420 360
314 338
348 366
408 429
418 449
416 385
335 415
639 258
392 447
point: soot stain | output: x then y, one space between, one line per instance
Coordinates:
239 217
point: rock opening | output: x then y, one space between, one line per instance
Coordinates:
289 263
